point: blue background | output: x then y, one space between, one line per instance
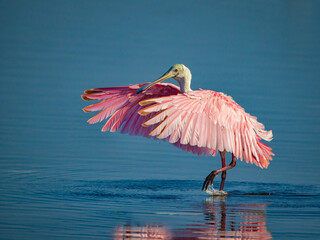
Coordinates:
265 54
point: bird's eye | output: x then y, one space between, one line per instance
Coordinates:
176 70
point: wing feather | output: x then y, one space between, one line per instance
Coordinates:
203 133
171 125
195 131
204 122
201 122
175 136
133 113
186 127
120 105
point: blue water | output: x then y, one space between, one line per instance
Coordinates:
63 178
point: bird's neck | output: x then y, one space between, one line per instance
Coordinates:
185 81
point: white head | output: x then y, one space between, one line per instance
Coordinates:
178 72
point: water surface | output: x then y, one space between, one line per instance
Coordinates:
62 178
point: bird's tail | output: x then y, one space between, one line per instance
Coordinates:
262 154
259 129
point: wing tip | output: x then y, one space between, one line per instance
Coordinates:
142 112
145 102
85 97
85 110
92 90
145 125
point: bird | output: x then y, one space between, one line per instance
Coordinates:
202 122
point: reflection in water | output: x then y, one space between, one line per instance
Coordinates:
147 232
220 221
233 221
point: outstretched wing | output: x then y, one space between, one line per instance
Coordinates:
120 105
205 120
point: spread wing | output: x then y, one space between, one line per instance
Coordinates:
203 121
120 106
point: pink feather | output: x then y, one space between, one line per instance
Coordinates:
201 122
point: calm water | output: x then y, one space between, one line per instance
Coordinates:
62 178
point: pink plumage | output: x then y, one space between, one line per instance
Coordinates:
181 118
200 122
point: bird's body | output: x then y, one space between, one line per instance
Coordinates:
201 121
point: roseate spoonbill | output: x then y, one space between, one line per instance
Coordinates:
201 121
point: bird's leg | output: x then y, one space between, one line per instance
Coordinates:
224 173
211 176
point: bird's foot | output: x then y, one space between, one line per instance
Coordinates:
209 180
214 192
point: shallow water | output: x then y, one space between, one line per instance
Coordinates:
158 209
62 178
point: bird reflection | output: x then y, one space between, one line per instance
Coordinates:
232 221
221 220
146 232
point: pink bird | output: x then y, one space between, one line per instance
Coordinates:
201 122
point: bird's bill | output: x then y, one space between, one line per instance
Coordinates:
168 74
